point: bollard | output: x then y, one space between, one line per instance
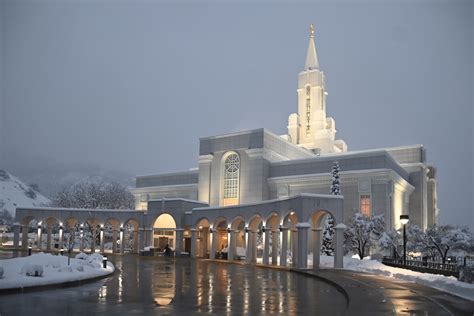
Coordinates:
29 251
104 262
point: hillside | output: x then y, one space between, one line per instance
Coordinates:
15 193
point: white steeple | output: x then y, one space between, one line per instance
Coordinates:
311 56
310 127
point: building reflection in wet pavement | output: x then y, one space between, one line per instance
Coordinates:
177 286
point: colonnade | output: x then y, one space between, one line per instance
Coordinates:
299 237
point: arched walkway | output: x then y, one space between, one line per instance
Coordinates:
164 232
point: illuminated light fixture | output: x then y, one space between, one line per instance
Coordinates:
292 213
404 219
200 227
246 229
229 230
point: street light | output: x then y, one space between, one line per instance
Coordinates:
404 220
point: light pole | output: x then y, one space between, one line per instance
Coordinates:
404 220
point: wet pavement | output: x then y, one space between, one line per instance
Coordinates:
164 286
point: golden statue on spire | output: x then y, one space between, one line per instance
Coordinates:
311 30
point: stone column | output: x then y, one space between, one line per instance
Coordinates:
193 242
81 248
135 241
114 240
254 245
122 240
294 247
179 241
61 237
266 245
48 238
93 232
231 238
149 237
39 238
275 235
213 243
141 239
303 228
204 242
102 239
24 237
317 247
284 246
248 245
338 247
16 235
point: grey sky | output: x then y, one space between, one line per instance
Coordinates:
132 85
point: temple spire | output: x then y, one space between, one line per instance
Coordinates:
311 57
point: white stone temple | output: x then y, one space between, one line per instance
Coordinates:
255 185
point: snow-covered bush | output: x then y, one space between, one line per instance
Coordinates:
35 270
1 272
82 256
80 268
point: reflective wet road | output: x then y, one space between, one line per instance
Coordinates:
182 286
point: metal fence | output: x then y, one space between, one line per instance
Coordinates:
448 269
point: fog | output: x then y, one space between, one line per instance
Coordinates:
130 86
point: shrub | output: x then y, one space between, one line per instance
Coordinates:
35 270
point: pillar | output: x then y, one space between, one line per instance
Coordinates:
275 235
338 247
231 241
213 243
141 239
193 242
316 247
149 237
93 232
284 246
135 241
248 245
114 240
179 241
48 238
61 237
266 245
303 228
81 247
39 237
16 235
294 247
102 239
204 242
254 245
122 240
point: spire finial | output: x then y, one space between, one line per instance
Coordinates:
311 30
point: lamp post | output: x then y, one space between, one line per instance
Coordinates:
404 220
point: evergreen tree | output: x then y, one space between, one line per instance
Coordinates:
328 233
335 181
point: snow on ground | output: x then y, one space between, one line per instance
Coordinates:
15 193
437 281
55 269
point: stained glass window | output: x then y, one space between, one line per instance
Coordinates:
231 179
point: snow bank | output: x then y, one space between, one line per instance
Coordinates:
55 270
437 281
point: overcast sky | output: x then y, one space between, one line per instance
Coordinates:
132 85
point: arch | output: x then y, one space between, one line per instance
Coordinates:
203 237
255 221
164 231
28 219
316 218
230 168
202 221
218 222
273 221
290 219
237 221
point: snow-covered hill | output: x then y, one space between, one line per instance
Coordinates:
14 193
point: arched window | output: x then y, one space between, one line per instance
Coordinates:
231 179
